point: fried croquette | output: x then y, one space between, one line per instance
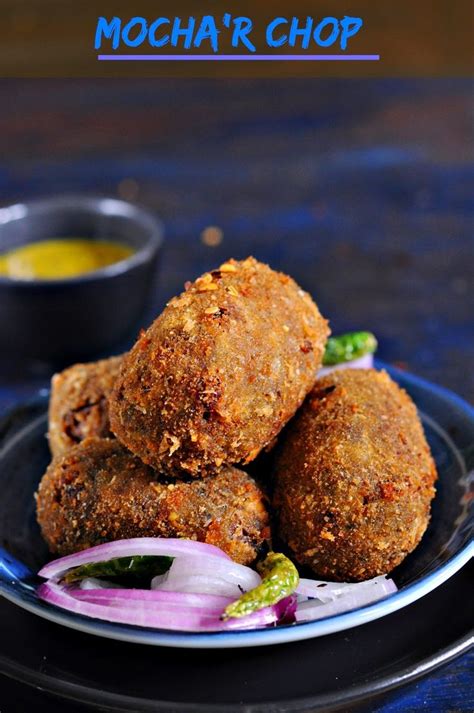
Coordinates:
354 477
220 372
98 492
78 407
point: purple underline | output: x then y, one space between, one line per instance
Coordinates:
238 57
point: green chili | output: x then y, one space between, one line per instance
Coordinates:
279 579
347 347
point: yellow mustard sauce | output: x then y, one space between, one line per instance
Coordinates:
61 258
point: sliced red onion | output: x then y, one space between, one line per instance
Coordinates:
94 583
204 575
193 594
286 609
363 362
198 585
151 597
171 547
176 617
329 591
350 596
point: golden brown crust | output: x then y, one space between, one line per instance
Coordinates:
219 373
78 407
354 477
99 492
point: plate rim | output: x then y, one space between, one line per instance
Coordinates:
284 634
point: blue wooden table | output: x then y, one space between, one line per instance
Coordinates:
362 190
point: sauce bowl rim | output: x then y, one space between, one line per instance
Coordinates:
100 205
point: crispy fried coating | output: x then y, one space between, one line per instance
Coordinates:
98 491
78 407
354 477
220 372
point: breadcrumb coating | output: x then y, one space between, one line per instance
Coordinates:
220 371
354 477
98 492
78 406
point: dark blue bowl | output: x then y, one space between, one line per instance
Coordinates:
77 318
